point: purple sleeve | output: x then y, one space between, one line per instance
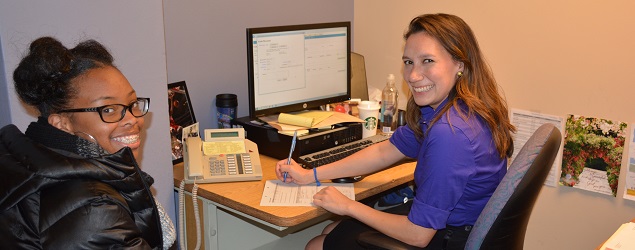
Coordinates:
404 139
445 163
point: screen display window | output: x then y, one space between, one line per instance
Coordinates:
292 68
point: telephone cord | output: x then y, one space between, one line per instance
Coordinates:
197 217
182 214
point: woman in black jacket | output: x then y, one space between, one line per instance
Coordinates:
71 180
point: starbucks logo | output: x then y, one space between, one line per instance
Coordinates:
371 123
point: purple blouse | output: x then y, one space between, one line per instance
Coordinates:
458 168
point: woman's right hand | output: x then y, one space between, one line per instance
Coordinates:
295 173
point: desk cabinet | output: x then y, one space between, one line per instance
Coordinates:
232 218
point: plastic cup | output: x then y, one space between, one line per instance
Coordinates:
369 112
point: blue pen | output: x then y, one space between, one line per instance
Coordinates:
295 137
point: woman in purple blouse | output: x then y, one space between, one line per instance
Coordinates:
459 131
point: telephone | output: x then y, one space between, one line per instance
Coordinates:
224 156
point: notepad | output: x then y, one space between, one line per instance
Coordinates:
304 119
320 121
300 132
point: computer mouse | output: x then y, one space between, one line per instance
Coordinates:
348 179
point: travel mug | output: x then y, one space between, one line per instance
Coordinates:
226 109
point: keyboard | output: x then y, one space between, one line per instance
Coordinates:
339 152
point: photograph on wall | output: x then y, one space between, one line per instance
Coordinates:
629 190
181 116
592 154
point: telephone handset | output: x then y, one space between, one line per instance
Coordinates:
224 156
191 149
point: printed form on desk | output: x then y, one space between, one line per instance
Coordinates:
623 238
278 193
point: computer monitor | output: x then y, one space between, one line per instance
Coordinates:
298 67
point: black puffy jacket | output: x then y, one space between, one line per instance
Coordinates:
56 199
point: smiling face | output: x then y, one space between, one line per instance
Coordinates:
99 87
429 69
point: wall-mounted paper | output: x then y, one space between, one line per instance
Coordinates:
526 124
629 190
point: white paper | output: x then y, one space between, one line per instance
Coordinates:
526 124
278 193
629 190
623 238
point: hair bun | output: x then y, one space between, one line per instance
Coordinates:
55 59
43 77
41 72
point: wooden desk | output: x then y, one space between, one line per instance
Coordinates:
243 198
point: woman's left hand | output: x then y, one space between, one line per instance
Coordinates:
333 200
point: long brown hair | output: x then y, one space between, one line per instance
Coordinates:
476 87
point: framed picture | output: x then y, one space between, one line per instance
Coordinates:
181 116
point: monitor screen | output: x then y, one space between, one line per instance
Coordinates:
298 67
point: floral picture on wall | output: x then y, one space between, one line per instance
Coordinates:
592 154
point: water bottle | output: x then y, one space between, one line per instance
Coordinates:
388 113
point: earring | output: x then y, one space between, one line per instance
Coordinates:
459 74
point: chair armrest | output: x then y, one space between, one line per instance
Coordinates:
377 240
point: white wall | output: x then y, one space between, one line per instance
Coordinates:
553 57
131 30
206 43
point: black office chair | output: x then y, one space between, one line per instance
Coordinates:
503 222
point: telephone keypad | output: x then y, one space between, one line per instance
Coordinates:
218 165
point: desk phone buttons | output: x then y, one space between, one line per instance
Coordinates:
235 164
246 159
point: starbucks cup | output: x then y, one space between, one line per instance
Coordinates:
369 112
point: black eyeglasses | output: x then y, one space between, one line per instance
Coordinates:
115 112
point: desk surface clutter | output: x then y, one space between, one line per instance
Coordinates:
245 196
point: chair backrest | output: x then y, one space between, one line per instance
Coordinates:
503 222
359 87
